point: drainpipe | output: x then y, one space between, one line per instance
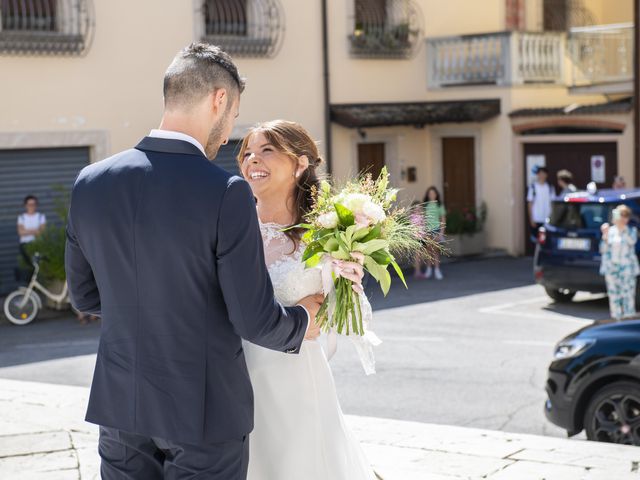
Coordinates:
636 91
327 95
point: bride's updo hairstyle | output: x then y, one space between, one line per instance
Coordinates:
293 140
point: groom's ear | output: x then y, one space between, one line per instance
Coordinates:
219 98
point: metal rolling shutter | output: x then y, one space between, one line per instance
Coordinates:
35 172
227 156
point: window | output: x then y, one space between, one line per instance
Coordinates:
46 27
245 28
579 215
38 15
386 28
371 14
556 15
225 17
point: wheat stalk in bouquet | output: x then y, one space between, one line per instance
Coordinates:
358 222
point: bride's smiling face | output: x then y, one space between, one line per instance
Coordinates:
267 170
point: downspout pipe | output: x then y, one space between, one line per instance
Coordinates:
326 87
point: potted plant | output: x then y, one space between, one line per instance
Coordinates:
465 230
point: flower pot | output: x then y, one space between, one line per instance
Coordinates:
465 244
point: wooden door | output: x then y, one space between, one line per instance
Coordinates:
371 158
459 165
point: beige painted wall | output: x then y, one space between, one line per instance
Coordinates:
116 87
290 85
460 17
610 11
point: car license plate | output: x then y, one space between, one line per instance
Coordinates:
583 244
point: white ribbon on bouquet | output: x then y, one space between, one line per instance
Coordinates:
363 343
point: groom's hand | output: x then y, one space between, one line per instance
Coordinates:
312 304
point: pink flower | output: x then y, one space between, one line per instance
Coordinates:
362 221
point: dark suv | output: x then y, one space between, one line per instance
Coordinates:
594 383
567 256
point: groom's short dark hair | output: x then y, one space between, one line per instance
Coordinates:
198 70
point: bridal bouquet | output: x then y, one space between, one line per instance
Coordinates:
358 223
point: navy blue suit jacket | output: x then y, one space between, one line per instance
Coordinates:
166 248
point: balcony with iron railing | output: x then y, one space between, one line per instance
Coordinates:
44 27
602 58
502 58
244 28
386 29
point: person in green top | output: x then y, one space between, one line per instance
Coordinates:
435 221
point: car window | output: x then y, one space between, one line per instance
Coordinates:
579 215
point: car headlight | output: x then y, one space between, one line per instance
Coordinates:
572 348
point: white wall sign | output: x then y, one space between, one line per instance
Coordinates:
598 172
534 161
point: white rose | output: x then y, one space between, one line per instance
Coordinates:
328 220
356 201
374 212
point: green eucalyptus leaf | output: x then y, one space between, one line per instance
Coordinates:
331 244
374 234
314 261
382 257
372 267
396 267
385 282
311 250
345 215
371 246
360 234
340 254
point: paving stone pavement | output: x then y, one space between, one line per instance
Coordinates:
43 436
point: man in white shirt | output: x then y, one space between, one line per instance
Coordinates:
30 224
539 197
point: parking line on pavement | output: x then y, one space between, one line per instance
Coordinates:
529 343
411 338
76 343
505 309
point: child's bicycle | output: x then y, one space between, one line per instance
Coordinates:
23 305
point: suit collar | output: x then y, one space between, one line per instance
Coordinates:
166 145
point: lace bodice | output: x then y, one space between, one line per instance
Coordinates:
291 280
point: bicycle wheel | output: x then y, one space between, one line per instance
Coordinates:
17 313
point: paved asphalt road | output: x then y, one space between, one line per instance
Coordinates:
470 350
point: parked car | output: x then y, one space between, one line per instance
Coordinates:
567 255
594 383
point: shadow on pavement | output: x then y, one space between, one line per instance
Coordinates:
594 308
461 278
51 336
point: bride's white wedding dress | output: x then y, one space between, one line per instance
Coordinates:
300 432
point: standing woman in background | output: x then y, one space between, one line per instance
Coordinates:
620 263
436 220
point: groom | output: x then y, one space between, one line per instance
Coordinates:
166 248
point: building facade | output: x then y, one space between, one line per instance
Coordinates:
444 93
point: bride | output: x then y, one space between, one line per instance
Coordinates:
296 405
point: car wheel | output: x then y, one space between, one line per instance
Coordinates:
613 414
560 294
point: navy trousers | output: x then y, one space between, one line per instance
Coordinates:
135 457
